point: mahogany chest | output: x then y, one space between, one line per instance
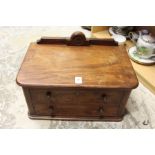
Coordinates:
76 79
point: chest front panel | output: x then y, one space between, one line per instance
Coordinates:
74 103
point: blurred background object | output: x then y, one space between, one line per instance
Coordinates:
86 27
121 30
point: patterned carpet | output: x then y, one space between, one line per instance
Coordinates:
14 42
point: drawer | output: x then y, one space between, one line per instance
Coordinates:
84 111
71 102
67 96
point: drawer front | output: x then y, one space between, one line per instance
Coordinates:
72 103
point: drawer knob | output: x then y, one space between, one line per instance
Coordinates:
51 109
101 110
105 98
48 94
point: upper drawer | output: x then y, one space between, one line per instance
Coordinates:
73 97
71 102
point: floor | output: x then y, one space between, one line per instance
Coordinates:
14 42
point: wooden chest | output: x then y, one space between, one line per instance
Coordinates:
76 79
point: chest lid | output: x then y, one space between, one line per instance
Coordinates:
76 62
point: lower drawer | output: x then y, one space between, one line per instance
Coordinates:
75 103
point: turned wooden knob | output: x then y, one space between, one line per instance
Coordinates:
48 94
101 110
105 98
51 110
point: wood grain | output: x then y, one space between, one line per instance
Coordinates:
71 102
145 74
95 29
48 73
57 66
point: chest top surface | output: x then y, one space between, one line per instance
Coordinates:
58 66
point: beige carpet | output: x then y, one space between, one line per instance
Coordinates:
14 42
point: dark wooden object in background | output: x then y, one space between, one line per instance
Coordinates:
48 73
